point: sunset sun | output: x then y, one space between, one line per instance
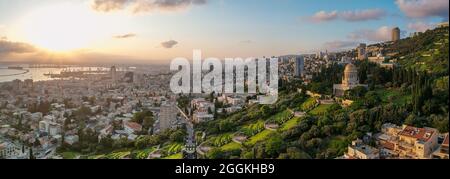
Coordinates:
61 27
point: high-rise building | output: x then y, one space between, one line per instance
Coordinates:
319 55
362 55
138 79
395 34
167 116
129 77
28 83
113 74
17 85
299 66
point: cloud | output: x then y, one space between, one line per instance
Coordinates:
169 44
137 6
124 36
383 33
339 45
108 5
421 26
26 53
363 15
424 8
323 16
350 16
8 47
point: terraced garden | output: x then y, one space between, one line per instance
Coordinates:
256 131
259 137
253 129
143 154
221 140
118 155
175 156
281 117
290 124
309 104
321 109
394 96
231 146
172 148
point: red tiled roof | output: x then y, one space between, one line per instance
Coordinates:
134 126
388 145
418 133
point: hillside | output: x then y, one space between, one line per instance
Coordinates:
416 94
427 51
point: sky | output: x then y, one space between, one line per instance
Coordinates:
160 30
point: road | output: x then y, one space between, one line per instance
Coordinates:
190 139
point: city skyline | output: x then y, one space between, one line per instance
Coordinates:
108 30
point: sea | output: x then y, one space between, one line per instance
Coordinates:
36 74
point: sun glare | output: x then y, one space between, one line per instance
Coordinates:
62 27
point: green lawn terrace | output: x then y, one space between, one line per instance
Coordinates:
172 148
221 140
175 156
393 95
231 147
143 154
214 142
309 104
317 107
320 109
259 137
278 119
290 124
167 151
119 155
252 129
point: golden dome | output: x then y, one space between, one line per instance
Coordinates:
350 68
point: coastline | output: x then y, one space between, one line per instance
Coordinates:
24 71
